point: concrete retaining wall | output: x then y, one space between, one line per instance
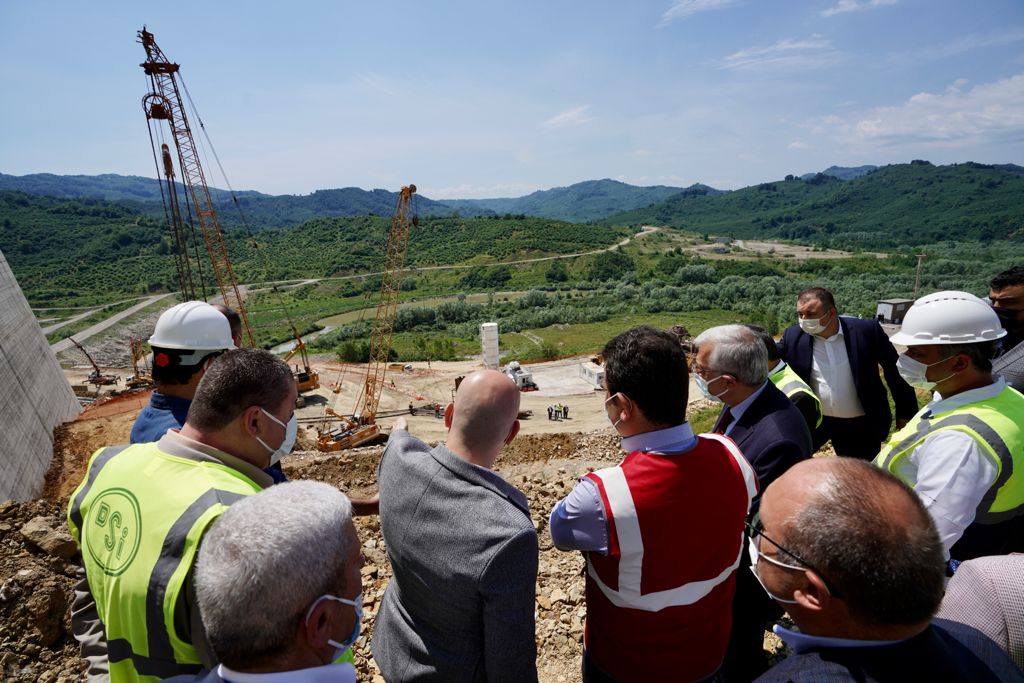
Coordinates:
34 394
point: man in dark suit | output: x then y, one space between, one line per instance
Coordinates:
855 558
732 367
839 359
1006 292
462 546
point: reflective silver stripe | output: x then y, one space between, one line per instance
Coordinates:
170 558
990 437
120 650
101 459
796 386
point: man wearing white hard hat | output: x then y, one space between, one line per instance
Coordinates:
963 453
186 338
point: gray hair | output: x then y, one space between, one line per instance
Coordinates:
871 536
263 563
737 351
238 379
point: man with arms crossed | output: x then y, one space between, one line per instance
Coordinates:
662 532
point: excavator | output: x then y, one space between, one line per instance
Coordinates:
141 377
96 377
306 379
361 427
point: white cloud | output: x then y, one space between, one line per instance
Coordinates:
844 6
681 9
988 113
797 144
570 117
810 52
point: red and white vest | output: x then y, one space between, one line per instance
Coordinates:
659 604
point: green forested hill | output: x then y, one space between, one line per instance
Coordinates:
905 204
64 249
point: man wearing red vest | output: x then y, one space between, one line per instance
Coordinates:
662 532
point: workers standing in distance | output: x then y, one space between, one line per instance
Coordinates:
1006 292
790 383
186 339
839 359
662 532
141 511
854 558
963 452
462 546
261 631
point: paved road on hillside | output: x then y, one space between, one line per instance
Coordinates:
65 344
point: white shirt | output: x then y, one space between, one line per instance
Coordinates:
949 470
832 378
329 673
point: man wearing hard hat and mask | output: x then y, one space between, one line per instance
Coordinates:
186 339
963 453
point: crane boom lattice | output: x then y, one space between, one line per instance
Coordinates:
165 103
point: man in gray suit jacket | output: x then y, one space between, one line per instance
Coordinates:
462 547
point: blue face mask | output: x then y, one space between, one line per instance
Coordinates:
357 604
702 384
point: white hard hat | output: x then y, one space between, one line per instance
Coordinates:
192 326
949 318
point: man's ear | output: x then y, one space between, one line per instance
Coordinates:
813 595
251 421
512 432
449 413
316 630
961 363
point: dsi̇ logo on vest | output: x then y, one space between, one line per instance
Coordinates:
113 530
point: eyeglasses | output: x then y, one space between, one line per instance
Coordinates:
756 529
697 369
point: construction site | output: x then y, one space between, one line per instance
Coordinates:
65 400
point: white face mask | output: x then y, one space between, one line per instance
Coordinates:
756 555
615 424
914 372
291 430
812 326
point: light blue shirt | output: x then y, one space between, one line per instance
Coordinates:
802 642
578 522
741 407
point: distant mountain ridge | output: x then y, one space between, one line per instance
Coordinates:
586 201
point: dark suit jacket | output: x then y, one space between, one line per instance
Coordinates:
772 435
867 347
946 651
463 549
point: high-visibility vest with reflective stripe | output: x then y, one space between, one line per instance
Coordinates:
997 424
659 603
139 516
791 384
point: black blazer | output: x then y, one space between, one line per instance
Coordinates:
772 435
867 347
946 651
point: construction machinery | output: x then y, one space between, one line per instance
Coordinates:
306 379
523 379
361 427
141 377
164 103
96 377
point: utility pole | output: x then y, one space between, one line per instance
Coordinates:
917 276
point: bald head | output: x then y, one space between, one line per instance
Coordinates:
483 417
866 531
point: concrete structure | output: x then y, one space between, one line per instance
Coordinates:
489 344
36 397
592 374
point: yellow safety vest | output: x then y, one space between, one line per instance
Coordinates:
997 424
791 384
138 517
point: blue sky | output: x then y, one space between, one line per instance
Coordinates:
478 99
